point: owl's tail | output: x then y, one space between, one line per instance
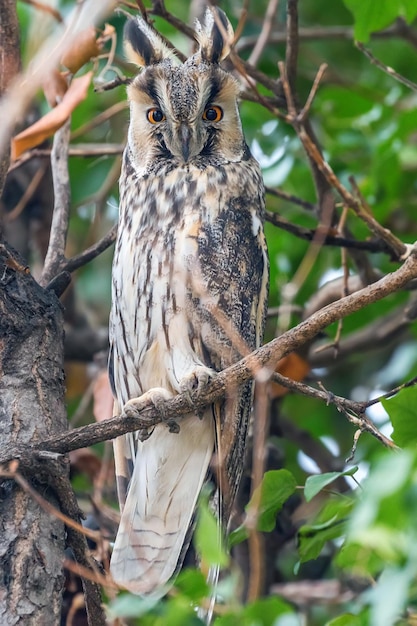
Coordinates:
169 472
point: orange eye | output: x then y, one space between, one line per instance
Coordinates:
155 116
213 114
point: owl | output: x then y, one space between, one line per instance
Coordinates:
189 290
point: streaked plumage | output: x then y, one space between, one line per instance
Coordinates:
190 253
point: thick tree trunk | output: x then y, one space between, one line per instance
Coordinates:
32 541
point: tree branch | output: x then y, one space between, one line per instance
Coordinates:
263 37
385 68
265 357
90 253
59 227
291 50
372 245
399 30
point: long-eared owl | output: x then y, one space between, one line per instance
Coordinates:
189 289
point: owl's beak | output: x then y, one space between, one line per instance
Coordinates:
185 137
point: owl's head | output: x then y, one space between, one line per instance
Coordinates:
183 113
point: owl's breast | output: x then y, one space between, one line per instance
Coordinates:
188 242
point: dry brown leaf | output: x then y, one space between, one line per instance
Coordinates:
292 366
49 123
85 46
106 34
55 87
103 397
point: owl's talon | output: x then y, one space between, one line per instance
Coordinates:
143 434
195 382
173 426
156 397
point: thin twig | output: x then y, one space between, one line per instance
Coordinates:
46 8
84 150
299 120
90 253
380 333
112 84
372 245
316 33
291 49
60 218
242 21
263 37
28 193
386 68
158 8
398 248
354 411
313 91
13 473
88 574
255 540
279 193
100 119
291 289
101 197
392 392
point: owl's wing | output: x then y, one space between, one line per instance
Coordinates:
235 270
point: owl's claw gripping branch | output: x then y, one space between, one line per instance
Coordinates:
173 426
193 385
153 398
196 381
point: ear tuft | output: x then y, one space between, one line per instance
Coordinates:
215 37
143 45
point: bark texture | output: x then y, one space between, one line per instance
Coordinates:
32 409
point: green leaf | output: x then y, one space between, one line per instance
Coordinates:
402 410
177 611
238 536
348 619
389 596
262 612
266 611
409 10
359 560
314 484
382 530
330 524
372 15
276 487
208 537
192 583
